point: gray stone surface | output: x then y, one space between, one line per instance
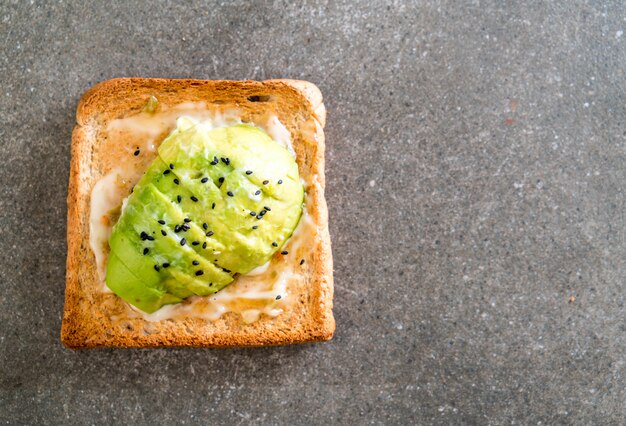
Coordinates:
476 166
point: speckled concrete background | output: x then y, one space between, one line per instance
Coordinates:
476 166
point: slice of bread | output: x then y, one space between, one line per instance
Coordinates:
94 317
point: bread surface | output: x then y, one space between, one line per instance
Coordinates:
89 318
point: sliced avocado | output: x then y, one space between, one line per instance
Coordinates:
246 149
143 216
136 290
212 204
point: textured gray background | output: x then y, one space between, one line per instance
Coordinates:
476 165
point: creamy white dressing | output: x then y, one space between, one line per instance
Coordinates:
259 270
105 196
264 289
154 124
279 133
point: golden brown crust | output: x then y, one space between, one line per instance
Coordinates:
87 322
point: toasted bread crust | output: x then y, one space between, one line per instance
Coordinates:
298 105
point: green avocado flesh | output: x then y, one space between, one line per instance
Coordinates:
214 203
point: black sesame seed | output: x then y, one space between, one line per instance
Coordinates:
186 220
230 194
205 226
204 245
200 272
150 238
212 206
194 199
183 242
179 198
280 181
248 172
163 233
166 265
136 153
161 221
146 250
302 262
267 208
176 181
278 297
195 262
157 268
253 213
195 243
257 192
284 252
166 172
208 234
221 179
171 166
275 244
265 182
255 227
204 180
177 228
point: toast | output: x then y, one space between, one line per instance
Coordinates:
94 317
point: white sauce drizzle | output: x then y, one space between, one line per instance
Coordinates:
279 133
105 196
